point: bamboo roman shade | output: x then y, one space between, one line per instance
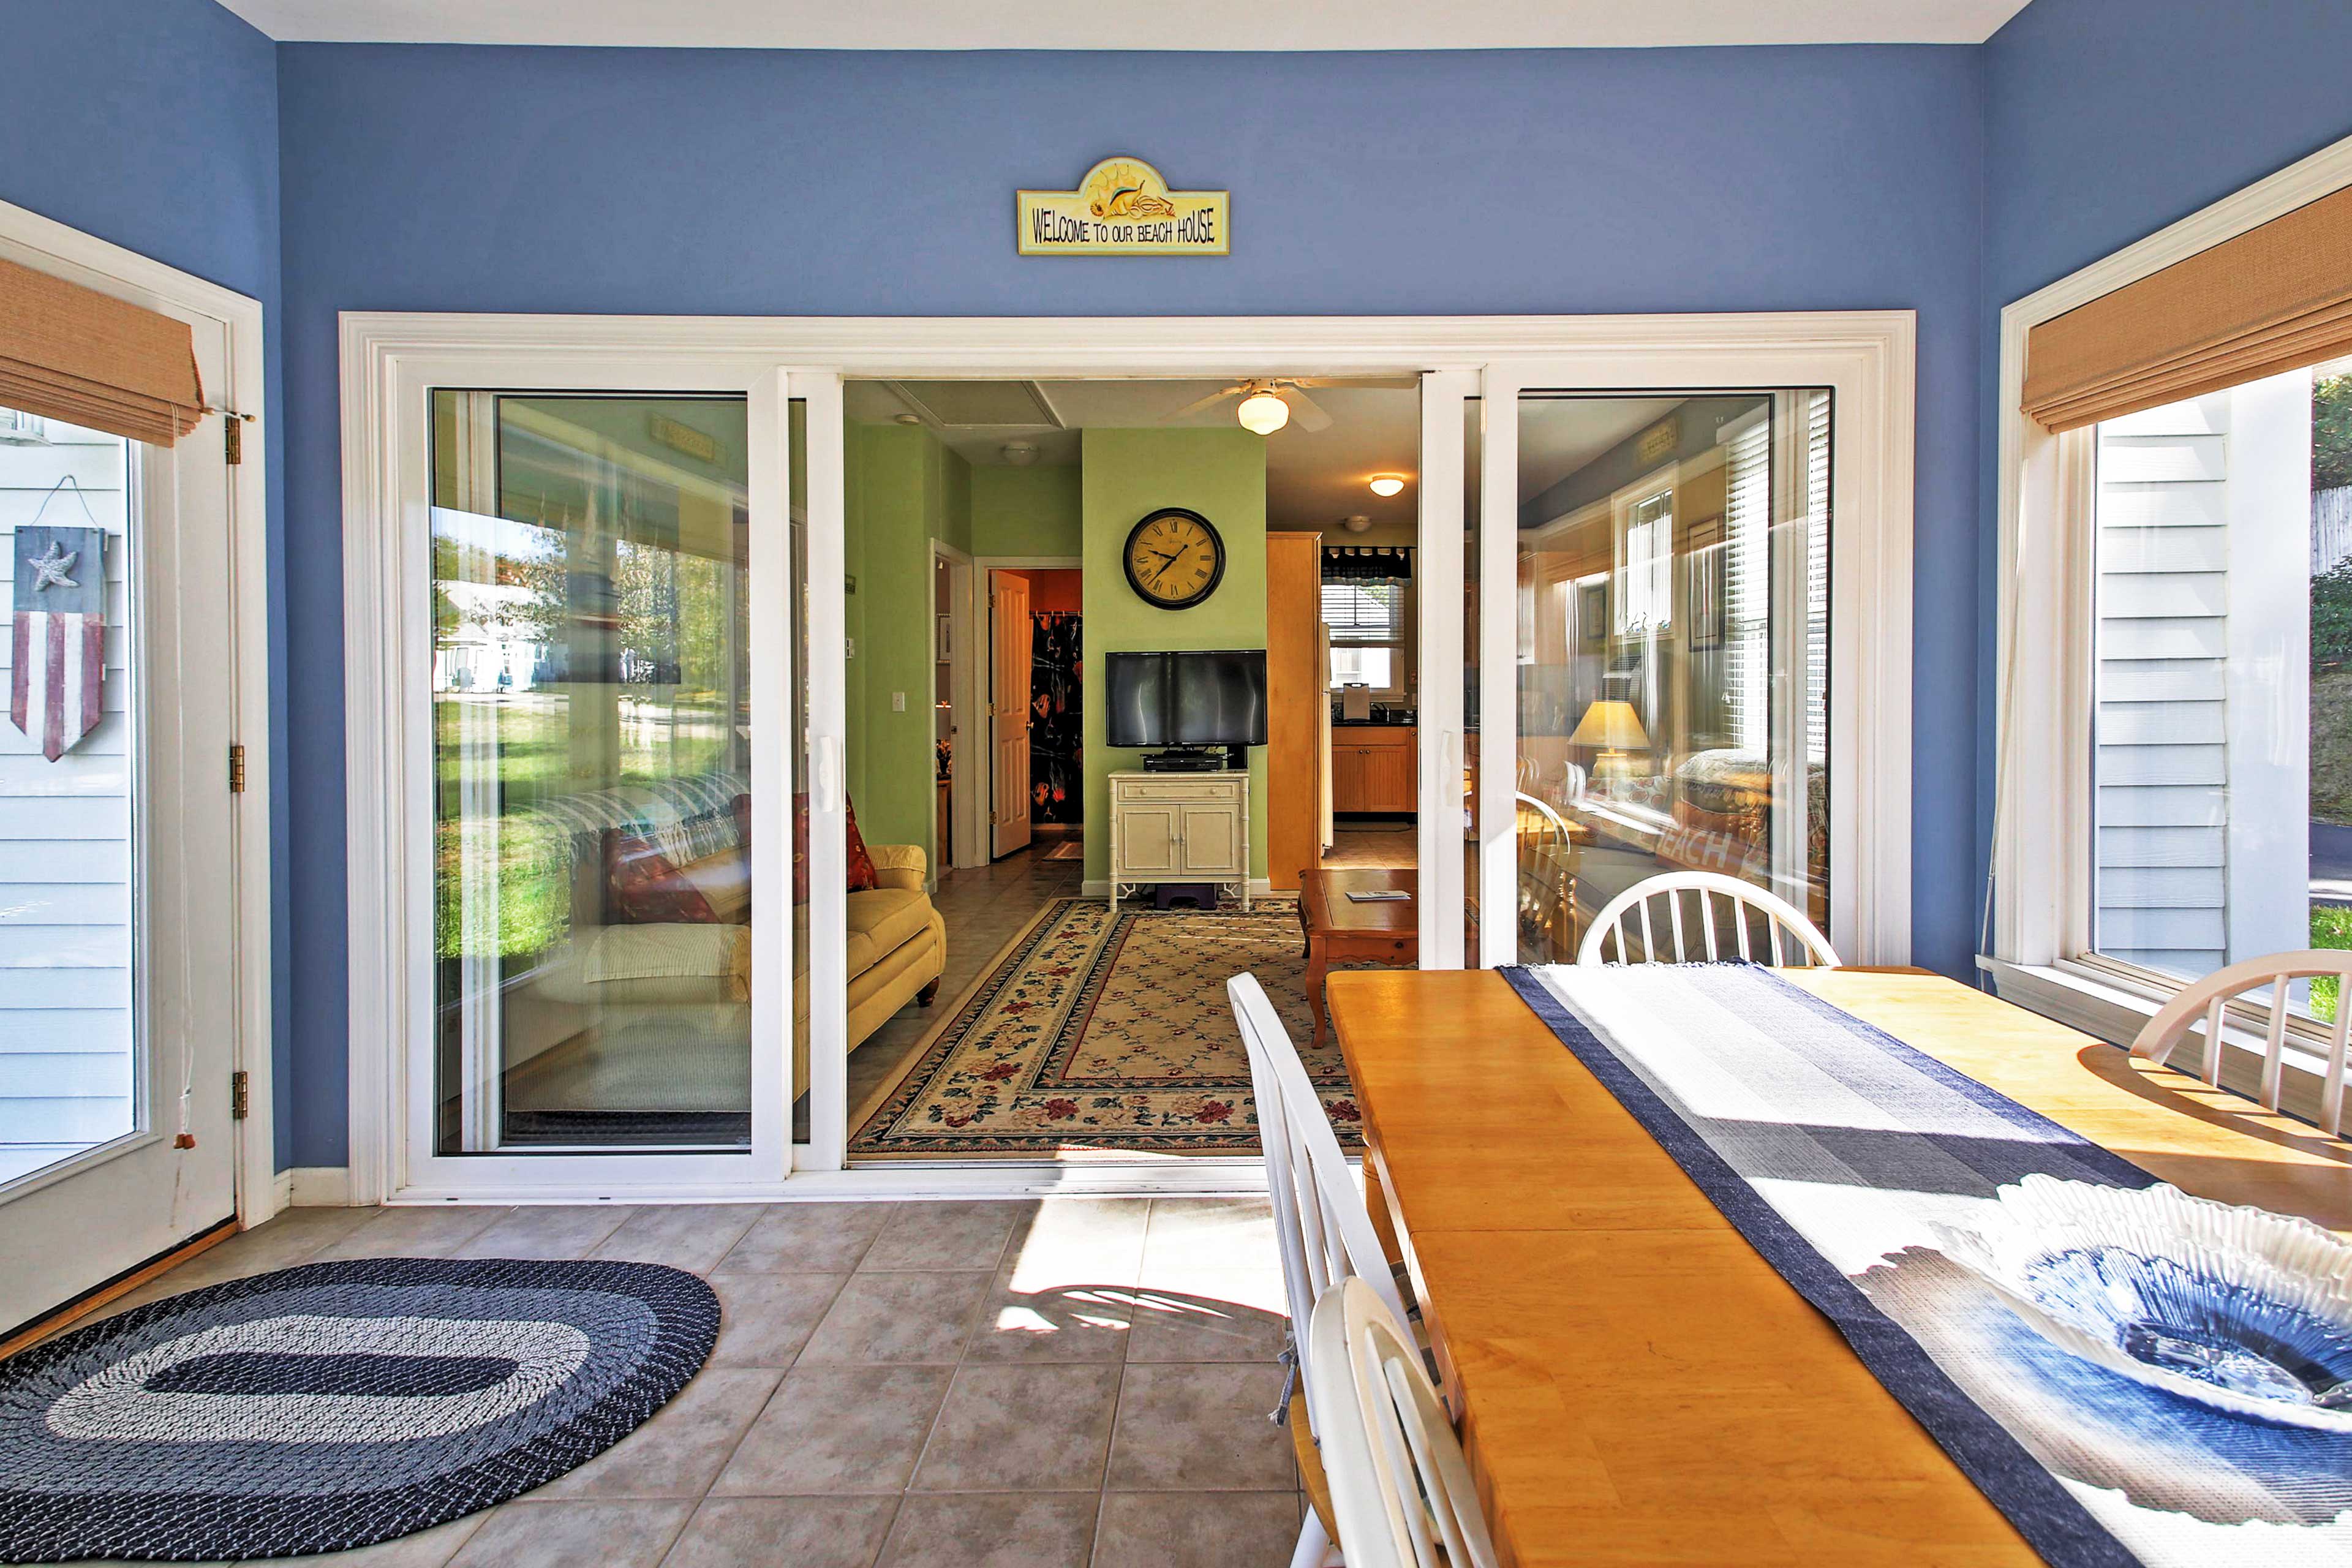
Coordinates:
2275 299
73 354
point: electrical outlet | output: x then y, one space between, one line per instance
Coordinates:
853 647
898 702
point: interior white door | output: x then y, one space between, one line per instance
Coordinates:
118 898
1008 712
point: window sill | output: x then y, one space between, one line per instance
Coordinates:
2096 1005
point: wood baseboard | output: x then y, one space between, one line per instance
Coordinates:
62 1318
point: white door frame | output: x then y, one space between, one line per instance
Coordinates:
49 247
986 626
1871 352
1870 373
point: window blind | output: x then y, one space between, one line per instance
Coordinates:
1364 612
73 354
2275 299
1747 585
1817 579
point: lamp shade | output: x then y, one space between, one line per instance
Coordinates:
1612 725
1264 413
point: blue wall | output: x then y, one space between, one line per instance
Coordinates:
153 123
2106 120
673 180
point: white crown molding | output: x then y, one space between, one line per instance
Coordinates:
1128 25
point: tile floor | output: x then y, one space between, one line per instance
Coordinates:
1069 1383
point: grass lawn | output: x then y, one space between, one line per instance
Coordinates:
2329 928
532 732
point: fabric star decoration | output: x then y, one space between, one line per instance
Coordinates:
49 569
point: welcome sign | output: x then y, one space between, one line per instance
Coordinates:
1124 209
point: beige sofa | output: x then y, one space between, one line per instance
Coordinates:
653 1017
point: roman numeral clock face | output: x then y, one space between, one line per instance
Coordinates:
1175 558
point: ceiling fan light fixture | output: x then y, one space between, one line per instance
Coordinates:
1263 412
1388 484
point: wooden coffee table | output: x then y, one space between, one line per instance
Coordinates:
1338 930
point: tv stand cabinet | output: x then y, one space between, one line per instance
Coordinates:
1178 828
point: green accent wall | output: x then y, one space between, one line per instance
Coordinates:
1220 474
1026 512
902 489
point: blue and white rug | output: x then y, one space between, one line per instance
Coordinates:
334 1405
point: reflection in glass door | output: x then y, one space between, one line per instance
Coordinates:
593 705
1657 626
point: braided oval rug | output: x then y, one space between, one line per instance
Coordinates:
333 1405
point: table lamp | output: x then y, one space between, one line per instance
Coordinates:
1610 724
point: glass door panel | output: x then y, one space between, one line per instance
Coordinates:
592 702
1656 636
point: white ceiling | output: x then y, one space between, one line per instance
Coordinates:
1131 23
1313 479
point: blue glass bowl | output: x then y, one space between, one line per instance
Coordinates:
2238 1308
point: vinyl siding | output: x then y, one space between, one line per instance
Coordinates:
2163 722
67 1062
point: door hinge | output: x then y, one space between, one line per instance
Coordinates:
237 1097
237 769
233 437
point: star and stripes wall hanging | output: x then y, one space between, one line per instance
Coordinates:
57 665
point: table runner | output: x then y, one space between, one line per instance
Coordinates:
1835 1149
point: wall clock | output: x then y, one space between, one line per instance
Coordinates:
1175 558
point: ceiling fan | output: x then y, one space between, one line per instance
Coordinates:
1268 402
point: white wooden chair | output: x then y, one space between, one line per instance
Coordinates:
1634 906
1547 853
1319 1219
2211 996
1401 1490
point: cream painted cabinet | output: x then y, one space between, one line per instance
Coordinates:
1178 828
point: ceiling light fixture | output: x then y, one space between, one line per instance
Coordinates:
1387 484
909 418
1020 454
1356 524
1263 412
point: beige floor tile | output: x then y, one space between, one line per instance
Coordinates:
784 1533
1209 1314
551 1231
837 1429
426 1549
1200 1426
1022 1428
823 1238
946 1235
921 1316
1196 1529
1013 1529
524 1534
1055 1323
1079 1241
415 1232
681 1450
1210 1232
692 1237
766 1319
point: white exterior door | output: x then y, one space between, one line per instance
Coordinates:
119 899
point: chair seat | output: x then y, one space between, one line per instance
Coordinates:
881 920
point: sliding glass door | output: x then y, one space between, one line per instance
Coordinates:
633 791
1644 644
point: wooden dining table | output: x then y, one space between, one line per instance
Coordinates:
1635 1384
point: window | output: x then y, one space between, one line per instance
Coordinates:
1646 566
2171 572
2222 721
1367 621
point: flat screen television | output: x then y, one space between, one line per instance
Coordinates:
1195 697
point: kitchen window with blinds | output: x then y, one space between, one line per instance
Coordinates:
1367 621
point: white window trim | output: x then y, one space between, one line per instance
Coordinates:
1869 357
2038 918
50 247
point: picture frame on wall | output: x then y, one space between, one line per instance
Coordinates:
1592 612
943 639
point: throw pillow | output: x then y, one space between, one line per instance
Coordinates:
643 888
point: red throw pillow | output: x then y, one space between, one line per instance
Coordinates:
861 865
643 888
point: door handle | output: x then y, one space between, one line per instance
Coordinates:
828 773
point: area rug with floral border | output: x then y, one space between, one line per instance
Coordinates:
1095 1035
